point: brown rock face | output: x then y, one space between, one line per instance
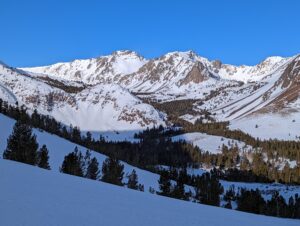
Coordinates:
217 64
197 74
290 81
291 74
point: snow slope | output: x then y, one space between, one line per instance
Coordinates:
59 147
270 126
102 107
102 69
252 73
47 198
210 143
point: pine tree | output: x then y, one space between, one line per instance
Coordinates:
133 181
76 135
178 191
1 105
251 201
93 169
208 189
112 171
43 158
36 119
230 194
21 145
164 184
85 161
72 164
88 138
277 206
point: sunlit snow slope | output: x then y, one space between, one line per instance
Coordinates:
34 197
101 107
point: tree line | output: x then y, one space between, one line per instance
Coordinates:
23 147
77 164
148 152
208 190
155 147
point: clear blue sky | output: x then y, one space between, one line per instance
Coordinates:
235 31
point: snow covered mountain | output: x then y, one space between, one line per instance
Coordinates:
109 68
104 107
175 75
111 91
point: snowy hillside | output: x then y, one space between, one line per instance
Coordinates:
109 68
252 73
48 198
102 107
270 126
210 143
110 93
58 148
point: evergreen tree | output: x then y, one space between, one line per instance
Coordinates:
296 206
72 164
93 169
76 135
164 184
133 181
21 145
178 191
277 206
36 119
43 158
251 201
88 138
230 194
208 189
112 171
85 161
1 105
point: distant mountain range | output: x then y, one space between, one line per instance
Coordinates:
117 92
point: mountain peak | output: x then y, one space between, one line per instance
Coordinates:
272 60
126 53
190 55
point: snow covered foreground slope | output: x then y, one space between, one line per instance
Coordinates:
32 196
59 148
